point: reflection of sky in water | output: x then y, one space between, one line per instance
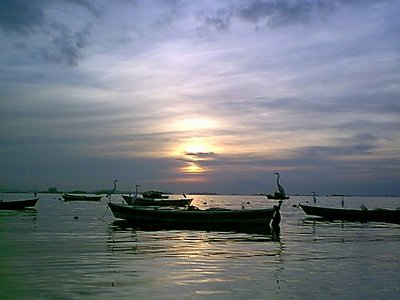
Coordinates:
74 250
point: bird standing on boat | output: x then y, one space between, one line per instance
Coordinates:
314 198
280 193
114 189
280 188
136 190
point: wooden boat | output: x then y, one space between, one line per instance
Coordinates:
357 215
80 197
18 204
136 200
197 219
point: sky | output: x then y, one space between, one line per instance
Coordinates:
201 96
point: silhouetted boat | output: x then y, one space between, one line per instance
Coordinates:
198 219
80 197
154 198
154 194
277 196
355 215
138 200
18 204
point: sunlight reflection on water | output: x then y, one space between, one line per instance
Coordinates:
74 250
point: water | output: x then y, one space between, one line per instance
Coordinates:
75 250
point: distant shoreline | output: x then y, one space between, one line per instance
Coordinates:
6 191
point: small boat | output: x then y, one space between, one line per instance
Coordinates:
18 204
154 195
80 197
197 219
134 200
154 198
280 194
354 215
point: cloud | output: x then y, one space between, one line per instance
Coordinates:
273 13
67 46
21 17
220 20
56 37
200 154
315 92
284 12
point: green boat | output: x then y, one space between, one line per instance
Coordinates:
80 197
198 219
18 204
353 215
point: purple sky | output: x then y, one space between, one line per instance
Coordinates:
201 95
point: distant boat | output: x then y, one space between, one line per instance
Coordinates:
80 197
138 200
154 194
354 215
18 204
197 219
154 198
280 194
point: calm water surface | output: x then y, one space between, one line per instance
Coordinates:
76 250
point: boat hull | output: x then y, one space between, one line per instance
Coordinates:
194 218
277 196
274 197
80 197
354 215
18 204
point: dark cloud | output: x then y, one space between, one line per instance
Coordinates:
59 42
284 12
357 145
200 154
220 20
67 46
275 12
92 6
22 17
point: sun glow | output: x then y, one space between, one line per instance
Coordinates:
196 154
193 169
196 148
194 124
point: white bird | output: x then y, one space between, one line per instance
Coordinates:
280 188
136 191
114 189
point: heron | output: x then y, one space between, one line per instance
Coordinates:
280 188
136 191
113 190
